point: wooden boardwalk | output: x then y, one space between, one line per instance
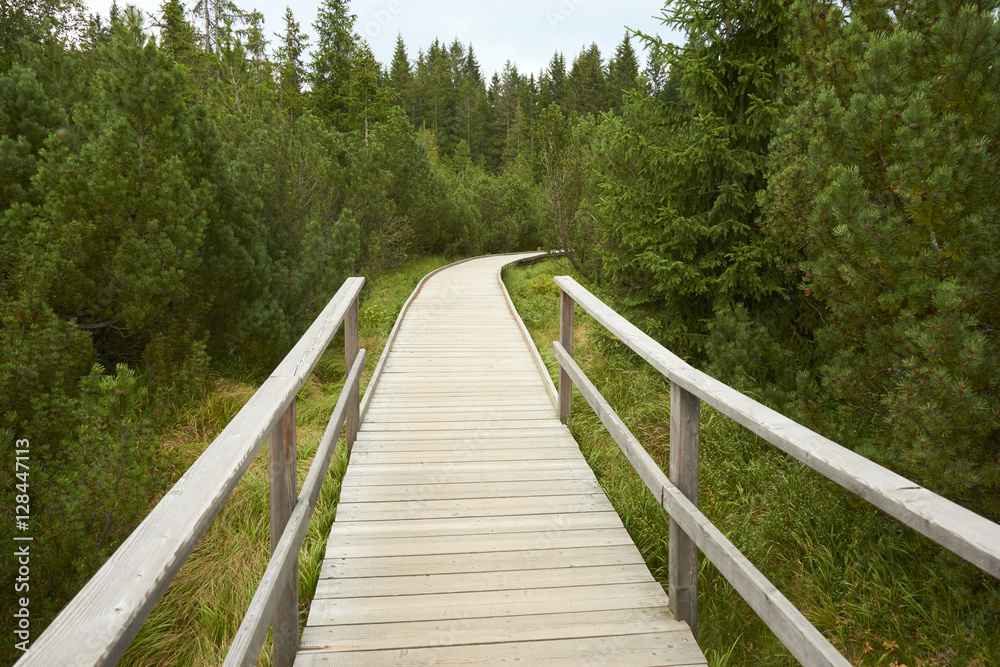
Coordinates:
470 529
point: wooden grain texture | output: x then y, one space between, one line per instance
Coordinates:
566 339
96 627
282 466
803 640
470 528
682 585
963 532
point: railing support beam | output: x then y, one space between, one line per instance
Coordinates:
682 585
566 340
350 354
285 625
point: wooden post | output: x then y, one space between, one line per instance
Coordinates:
566 339
353 421
281 449
682 587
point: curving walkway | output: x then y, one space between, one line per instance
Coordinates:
470 529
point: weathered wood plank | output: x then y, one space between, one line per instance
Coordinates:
661 648
425 584
379 510
407 528
453 632
538 559
495 604
434 491
368 547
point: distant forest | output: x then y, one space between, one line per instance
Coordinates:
801 199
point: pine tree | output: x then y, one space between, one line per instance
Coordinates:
883 190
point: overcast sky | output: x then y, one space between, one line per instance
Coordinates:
527 32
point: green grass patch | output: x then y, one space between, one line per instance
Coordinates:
880 592
196 620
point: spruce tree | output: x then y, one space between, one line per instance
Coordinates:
623 72
679 180
331 65
401 77
291 68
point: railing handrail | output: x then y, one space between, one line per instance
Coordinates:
965 533
97 625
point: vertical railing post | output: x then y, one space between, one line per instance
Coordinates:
566 305
682 585
350 354
282 468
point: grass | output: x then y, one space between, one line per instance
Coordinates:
880 592
197 618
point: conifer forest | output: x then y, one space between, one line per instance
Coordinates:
803 200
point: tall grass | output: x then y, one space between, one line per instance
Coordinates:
880 592
197 618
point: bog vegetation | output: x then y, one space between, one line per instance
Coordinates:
801 200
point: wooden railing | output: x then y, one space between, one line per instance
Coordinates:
98 624
965 533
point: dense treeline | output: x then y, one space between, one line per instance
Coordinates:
800 199
179 200
811 219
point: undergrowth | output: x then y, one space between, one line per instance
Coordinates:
196 620
880 592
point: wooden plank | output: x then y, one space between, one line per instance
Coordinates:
425 584
963 532
662 648
471 507
496 423
368 547
483 441
494 455
489 525
96 626
471 434
390 480
454 632
360 470
427 492
537 559
495 604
